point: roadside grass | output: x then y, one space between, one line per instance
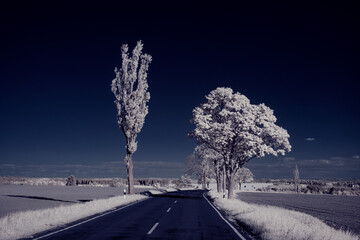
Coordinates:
270 223
24 224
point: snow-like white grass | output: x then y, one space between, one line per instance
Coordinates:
155 192
170 189
187 188
271 223
20 198
24 224
162 190
142 186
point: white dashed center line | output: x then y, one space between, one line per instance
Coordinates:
168 209
153 228
175 201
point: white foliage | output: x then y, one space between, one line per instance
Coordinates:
236 129
201 163
130 88
244 175
207 154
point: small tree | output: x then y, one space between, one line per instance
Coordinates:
131 97
184 181
193 167
296 179
243 175
237 130
200 164
71 181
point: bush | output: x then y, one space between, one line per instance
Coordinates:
71 181
313 188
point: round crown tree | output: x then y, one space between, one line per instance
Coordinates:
131 97
237 130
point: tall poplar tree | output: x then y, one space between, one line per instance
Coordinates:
130 88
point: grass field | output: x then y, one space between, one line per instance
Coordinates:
15 198
340 212
270 223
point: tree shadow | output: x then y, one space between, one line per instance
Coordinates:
40 198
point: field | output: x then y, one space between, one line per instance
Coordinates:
340 212
270 222
15 198
338 187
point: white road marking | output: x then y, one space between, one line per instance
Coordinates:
75 225
175 201
232 227
168 209
153 228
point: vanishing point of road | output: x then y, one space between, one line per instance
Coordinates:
177 215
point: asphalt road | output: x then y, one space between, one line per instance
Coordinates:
178 215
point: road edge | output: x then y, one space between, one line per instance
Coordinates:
225 220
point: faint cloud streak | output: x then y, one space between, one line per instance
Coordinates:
309 139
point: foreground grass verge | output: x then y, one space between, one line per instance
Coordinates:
270 223
24 224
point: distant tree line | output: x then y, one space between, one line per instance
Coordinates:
116 182
334 187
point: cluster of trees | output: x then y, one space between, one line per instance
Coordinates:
116 182
231 131
204 164
111 182
32 181
184 181
162 182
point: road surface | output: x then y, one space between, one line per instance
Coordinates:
178 215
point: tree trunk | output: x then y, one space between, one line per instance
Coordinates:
218 178
219 182
224 181
203 181
130 177
231 185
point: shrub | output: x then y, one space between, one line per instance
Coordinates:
71 181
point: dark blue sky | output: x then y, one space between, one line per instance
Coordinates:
57 60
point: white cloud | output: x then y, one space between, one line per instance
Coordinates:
7 165
321 162
309 139
356 156
338 158
325 161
